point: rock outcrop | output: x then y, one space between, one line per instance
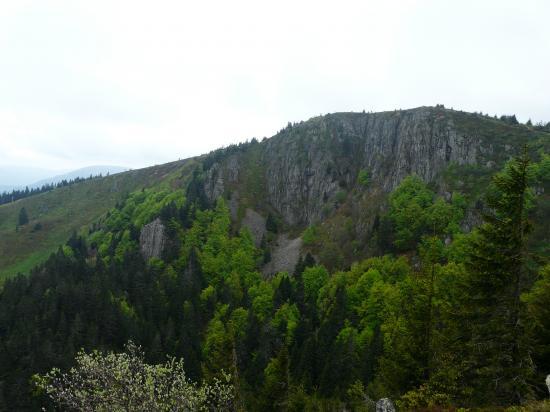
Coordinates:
548 382
307 167
152 239
385 405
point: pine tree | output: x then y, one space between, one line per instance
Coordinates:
497 347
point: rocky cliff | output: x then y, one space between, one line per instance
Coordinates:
307 168
316 161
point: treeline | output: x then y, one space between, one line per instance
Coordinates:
14 195
458 320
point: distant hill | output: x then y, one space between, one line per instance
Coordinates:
82 173
9 188
17 177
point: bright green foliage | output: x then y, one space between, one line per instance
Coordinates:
262 300
407 205
126 244
218 344
314 278
363 178
226 258
67 251
238 323
286 320
142 206
139 208
414 212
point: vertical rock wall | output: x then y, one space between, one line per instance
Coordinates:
152 239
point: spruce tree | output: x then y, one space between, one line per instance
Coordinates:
497 347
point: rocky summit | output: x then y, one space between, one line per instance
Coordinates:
307 165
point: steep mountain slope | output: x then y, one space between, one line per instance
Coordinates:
55 215
308 173
305 166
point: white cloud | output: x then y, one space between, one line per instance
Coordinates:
138 83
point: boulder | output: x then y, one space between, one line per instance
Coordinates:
548 382
385 405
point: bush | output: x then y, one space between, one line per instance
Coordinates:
310 235
123 382
340 196
363 178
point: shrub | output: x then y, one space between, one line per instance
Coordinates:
363 178
310 235
123 381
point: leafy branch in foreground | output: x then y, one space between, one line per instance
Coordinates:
124 382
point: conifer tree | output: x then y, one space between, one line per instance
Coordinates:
497 347
23 217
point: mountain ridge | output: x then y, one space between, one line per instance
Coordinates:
308 172
84 172
390 145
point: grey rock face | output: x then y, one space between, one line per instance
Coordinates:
255 223
219 175
548 382
152 239
214 183
385 405
305 170
284 256
234 205
307 167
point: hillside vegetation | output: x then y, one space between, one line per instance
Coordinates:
55 215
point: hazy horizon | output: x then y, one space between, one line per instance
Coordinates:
19 177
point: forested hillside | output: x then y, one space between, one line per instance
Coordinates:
55 214
349 258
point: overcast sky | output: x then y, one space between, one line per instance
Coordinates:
136 83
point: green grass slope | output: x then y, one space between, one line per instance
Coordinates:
68 209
